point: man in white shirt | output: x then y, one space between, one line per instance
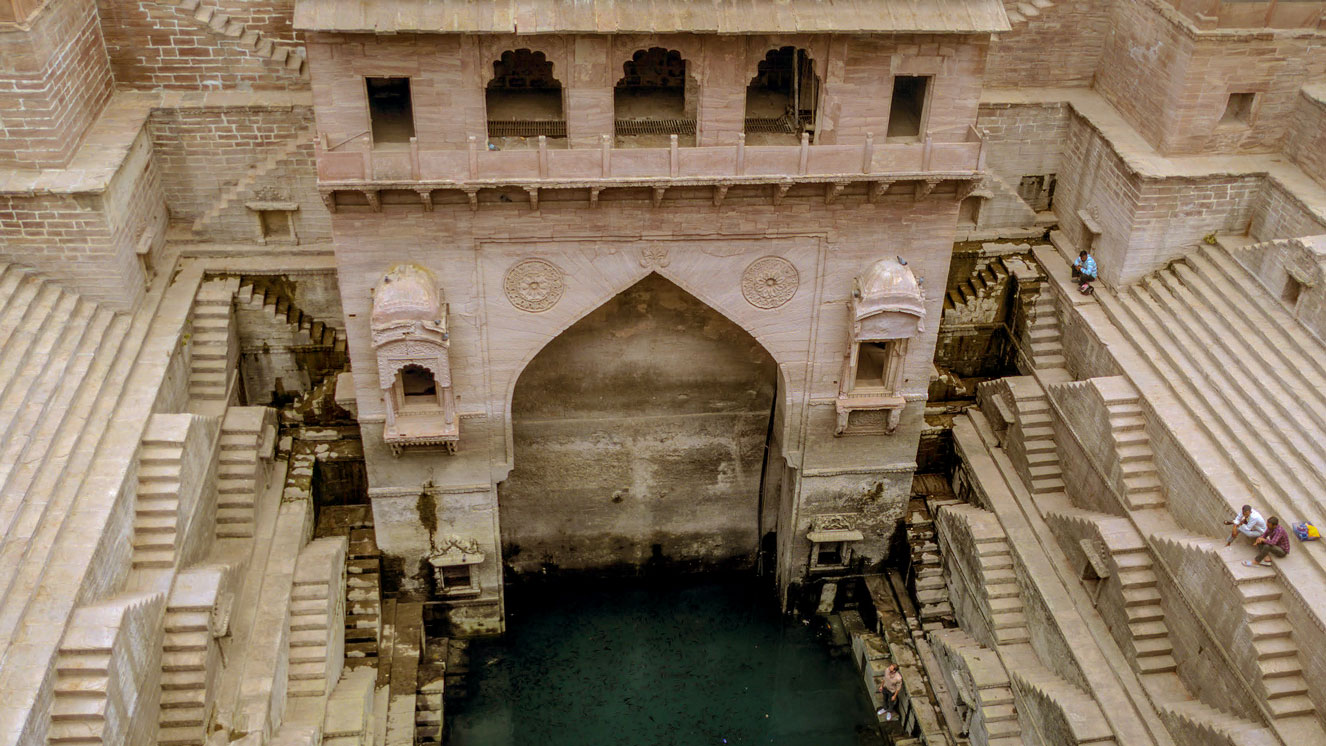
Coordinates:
1249 523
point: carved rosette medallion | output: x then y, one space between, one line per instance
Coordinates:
769 282
534 285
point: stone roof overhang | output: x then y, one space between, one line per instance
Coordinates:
651 16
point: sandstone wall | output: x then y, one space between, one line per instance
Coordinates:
159 45
1061 47
90 240
205 154
1305 144
54 81
1277 213
1172 85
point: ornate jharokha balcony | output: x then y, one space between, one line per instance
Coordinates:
367 178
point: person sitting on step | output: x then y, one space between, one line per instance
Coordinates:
1274 541
1084 271
1249 523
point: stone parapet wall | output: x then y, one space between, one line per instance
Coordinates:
1305 143
1162 77
54 81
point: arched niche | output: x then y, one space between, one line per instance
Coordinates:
782 100
524 99
654 99
644 422
887 310
411 343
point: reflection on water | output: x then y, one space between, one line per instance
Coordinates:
679 665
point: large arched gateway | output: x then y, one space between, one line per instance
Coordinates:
640 439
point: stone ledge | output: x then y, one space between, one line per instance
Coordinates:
108 142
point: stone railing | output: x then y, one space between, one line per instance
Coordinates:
725 163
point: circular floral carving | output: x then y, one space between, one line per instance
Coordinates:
533 285
769 282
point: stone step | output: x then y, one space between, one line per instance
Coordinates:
1163 663
1148 630
188 735
310 621
181 718
79 708
177 642
1283 707
1271 648
193 679
1261 589
188 621
306 688
1153 646
1285 686
158 558
81 664
1270 628
173 698
1260 610
184 660
312 670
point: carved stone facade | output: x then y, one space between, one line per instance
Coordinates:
887 311
410 340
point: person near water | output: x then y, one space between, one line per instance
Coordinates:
890 685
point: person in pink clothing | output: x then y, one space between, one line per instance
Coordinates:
1275 541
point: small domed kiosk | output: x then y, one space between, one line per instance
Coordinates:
409 331
887 309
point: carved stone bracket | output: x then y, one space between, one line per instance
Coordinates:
720 191
832 190
924 188
780 191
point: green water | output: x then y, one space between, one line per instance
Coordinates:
679 665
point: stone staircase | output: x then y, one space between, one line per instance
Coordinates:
316 407
246 438
95 701
53 362
1046 348
1145 635
1054 704
184 675
157 503
927 570
363 589
215 351
1264 619
1200 723
1230 386
269 299
429 697
281 161
316 608
996 587
1044 475
1141 482
289 57
1021 12
997 721
980 297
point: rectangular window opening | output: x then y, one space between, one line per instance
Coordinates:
907 111
1238 110
871 363
456 578
829 554
390 109
275 225
969 212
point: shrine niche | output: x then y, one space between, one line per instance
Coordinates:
453 561
410 339
887 310
831 538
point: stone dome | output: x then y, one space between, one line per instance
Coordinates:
407 293
888 286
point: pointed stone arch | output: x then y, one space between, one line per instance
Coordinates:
639 437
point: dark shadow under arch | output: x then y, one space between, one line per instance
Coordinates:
639 439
